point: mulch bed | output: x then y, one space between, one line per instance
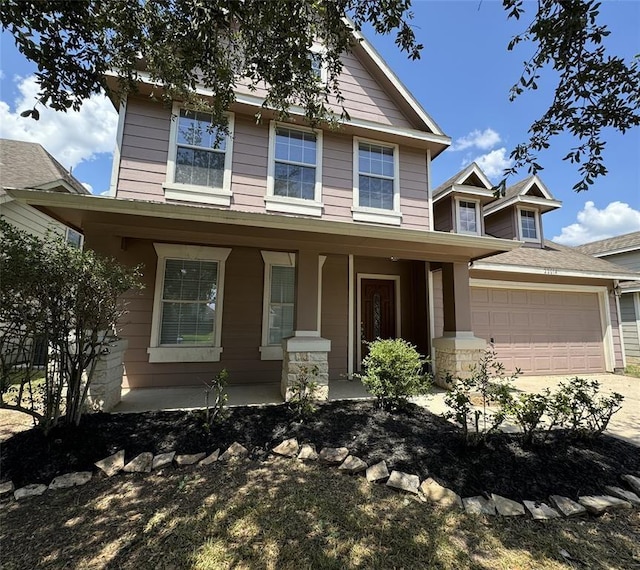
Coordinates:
413 440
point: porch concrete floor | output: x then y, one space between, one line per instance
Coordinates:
625 424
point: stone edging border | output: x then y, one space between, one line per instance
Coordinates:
428 490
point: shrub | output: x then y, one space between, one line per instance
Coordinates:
578 406
393 372
72 300
304 392
215 397
488 381
528 410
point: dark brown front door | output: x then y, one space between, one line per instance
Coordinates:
378 310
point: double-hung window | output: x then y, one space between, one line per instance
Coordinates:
74 238
528 221
199 168
376 182
294 182
187 311
468 217
278 302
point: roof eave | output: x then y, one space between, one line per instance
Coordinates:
508 268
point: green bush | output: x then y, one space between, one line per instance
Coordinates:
215 398
489 382
393 372
304 392
527 410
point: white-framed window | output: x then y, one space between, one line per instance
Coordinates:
186 324
316 56
74 238
529 225
376 182
468 216
200 158
278 302
294 178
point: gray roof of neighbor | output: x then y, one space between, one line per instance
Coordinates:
556 256
29 165
626 241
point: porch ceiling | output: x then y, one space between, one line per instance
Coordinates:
206 225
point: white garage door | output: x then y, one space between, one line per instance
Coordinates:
541 332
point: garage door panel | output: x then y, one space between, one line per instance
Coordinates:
542 332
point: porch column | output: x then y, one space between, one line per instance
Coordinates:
306 352
458 350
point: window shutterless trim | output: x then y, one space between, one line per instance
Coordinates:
158 353
536 218
286 204
476 204
193 192
376 215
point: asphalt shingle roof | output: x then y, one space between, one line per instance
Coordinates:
555 256
626 241
29 165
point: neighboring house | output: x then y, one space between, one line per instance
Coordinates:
548 309
624 251
28 165
282 245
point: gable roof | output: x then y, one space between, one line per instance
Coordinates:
561 260
470 181
610 246
521 192
29 165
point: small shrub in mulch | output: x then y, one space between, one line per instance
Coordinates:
411 439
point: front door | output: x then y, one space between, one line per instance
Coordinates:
378 311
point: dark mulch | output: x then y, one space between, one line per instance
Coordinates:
413 440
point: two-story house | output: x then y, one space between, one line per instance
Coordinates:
548 309
279 246
624 251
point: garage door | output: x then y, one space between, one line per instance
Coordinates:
541 332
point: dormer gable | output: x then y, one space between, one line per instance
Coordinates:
470 181
516 214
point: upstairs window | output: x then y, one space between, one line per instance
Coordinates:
199 168
468 217
74 238
376 182
294 182
529 225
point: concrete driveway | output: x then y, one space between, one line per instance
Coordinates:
625 424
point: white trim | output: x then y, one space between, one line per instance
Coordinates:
271 258
255 101
466 191
484 266
431 225
287 204
476 204
321 260
66 236
376 215
351 317
395 81
636 303
432 313
620 333
536 221
318 48
613 251
191 192
603 304
186 353
530 200
115 166
386 277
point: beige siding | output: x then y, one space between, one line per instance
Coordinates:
364 97
144 151
144 157
501 224
443 215
335 313
629 260
630 327
29 219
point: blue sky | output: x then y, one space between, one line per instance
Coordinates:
462 81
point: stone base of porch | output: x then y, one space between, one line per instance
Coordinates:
455 355
305 357
106 385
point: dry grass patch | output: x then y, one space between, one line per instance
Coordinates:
287 515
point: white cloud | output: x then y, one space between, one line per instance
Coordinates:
71 137
493 163
88 186
615 219
484 140
1 74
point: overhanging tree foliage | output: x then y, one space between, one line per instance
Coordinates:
182 43
69 300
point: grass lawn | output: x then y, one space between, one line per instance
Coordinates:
283 514
633 370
